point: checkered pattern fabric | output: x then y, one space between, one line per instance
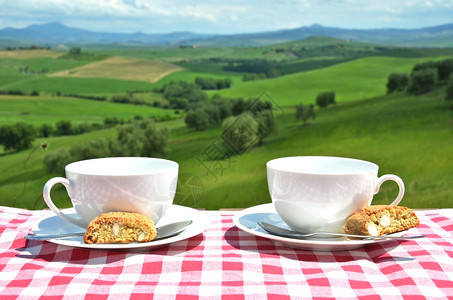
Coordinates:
225 262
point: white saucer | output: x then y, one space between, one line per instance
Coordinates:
55 224
247 220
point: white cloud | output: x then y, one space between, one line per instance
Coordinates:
224 16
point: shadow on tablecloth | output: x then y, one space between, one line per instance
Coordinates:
377 253
49 252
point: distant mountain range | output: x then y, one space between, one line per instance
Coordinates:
437 36
56 33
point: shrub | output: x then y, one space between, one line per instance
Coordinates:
422 81
443 68
397 82
178 102
304 113
266 124
45 130
90 149
17 137
324 99
206 83
12 92
449 90
238 106
197 119
240 133
83 128
141 138
56 161
181 93
203 117
64 127
243 132
224 106
253 76
112 121
121 99
263 114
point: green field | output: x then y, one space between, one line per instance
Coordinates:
354 80
411 136
395 132
39 110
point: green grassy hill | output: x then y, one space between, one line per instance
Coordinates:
49 110
357 79
406 135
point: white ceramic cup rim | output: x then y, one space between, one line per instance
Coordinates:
121 166
313 165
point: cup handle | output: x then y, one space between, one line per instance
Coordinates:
46 194
395 178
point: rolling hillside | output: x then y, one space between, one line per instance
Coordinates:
50 110
358 79
406 135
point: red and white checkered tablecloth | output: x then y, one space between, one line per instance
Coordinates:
225 262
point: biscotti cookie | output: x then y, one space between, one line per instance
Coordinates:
378 220
119 227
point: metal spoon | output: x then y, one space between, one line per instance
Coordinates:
163 232
276 230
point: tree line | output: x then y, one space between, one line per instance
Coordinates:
207 83
19 93
423 78
260 67
20 136
181 94
32 47
244 123
139 138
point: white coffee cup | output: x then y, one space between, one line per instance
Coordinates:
318 193
132 184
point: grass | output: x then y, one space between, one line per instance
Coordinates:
33 176
81 86
358 79
405 135
189 76
39 110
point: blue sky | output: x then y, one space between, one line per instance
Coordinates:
224 16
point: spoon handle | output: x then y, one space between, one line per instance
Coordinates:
275 230
371 237
45 236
